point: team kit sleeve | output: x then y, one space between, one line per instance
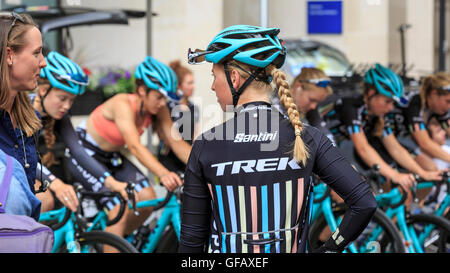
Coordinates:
70 138
196 211
413 115
349 117
337 173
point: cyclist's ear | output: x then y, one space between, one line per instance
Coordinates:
141 91
297 88
371 93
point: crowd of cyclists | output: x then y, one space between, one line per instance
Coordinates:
238 194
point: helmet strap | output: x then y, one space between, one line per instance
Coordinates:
238 93
43 97
141 112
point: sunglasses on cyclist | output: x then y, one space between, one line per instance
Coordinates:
75 78
444 88
401 101
197 56
322 82
14 16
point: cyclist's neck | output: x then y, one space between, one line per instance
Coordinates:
252 94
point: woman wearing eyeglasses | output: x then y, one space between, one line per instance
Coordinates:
21 61
247 186
61 81
363 120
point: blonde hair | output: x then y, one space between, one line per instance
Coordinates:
310 74
21 109
433 82
301 153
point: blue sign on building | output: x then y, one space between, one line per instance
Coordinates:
324 17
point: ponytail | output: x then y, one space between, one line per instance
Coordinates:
301 153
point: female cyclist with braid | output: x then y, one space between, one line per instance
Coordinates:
247 186
119 122
59 84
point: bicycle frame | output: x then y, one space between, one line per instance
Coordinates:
325 208
65 234
393 197
412 241
170 215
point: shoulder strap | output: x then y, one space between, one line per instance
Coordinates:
6 181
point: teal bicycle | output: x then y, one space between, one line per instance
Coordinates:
72 235
160 235
381 235
421 232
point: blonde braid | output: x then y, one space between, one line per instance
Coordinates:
301 152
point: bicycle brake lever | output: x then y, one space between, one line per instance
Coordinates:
130 192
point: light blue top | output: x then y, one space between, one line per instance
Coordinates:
20 200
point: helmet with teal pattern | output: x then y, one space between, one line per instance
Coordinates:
160 77
255 46
387 83
64 74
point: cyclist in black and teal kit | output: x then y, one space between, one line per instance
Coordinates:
59 84
410 122
250 176
363 120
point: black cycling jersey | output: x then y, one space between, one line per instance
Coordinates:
65 134
242 175
348 115
406 120
184 120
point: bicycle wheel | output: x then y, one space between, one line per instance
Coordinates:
432 231
380 235
168 242
98 241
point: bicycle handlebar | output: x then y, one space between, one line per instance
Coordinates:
97 195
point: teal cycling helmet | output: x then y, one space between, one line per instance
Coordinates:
387 83
255 46
64 74
160 77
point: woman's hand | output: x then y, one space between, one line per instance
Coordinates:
171 181
405 180
65 194
431 175
119 186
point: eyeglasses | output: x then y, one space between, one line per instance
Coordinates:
75 78
322 82
197 56
15 17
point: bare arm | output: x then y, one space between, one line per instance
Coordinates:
371 157
172 137
124 119
429 146
402 157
